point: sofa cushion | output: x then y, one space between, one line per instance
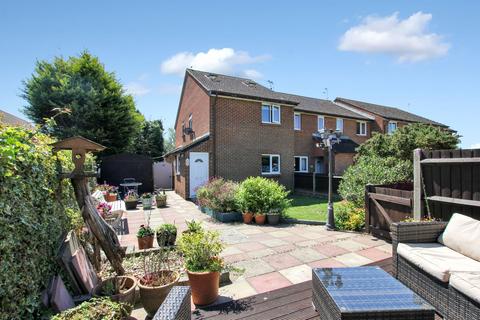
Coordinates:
437 260
467 283
462 234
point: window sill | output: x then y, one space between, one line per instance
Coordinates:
300 171
361 135
272 123
271 174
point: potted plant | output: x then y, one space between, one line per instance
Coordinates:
95 308
119 289
273 217
201 251
193 226
166 234
260 218
161 199
145 237
156 281
111 194
131 200
249 197
147 201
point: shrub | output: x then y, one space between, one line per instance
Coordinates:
218 194
261 195
201 251
349 217
372 170
144 231
96 308
35 210
388 158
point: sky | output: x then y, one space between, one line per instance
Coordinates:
420 56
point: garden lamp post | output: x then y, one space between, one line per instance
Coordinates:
328 138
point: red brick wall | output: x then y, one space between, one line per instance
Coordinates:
305 146
241 139
195 101
342 162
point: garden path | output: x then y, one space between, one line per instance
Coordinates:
272 256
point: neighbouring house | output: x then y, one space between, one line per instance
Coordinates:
234 128
11 120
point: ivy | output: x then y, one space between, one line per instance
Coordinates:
36 208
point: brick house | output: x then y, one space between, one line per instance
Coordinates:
235 128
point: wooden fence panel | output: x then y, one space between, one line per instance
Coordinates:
385 204
451 185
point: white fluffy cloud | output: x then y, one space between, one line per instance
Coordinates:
475 146
136 89
226 60
408 39
252 74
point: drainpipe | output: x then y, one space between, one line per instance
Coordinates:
214 135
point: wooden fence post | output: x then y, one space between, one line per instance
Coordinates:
368 188
314 182
417 185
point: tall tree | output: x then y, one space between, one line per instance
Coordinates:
169 140
96 103
149 141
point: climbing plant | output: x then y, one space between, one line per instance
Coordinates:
35 210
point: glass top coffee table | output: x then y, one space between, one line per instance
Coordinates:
365 293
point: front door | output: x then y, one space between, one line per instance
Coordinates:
198 170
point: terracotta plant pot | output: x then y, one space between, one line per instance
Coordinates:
110 197
204 287
153 297
127 294
247 217
131 205
273 219
145 242
260 218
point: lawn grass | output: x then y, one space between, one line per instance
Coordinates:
309 207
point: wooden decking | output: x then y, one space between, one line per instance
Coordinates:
290 303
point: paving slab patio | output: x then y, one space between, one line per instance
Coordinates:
272 256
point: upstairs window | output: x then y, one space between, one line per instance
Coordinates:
339 125
361 128
320 123
392 126
297 121
190 122
301 164
270 164
270 114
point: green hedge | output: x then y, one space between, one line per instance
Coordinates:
35 209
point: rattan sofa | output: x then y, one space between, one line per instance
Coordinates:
448 302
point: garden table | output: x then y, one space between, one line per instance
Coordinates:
365 293
129 186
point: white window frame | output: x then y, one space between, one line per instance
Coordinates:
300 163
271 172
364 133
190 121
271 108
177 164
388 126
300 121
318 122
337 121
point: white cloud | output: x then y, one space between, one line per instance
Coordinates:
407 39
136 89
475 146
226 60
252 74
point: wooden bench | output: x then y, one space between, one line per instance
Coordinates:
117 211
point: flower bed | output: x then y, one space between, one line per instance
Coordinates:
217 199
